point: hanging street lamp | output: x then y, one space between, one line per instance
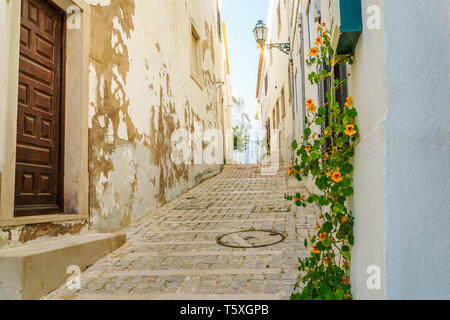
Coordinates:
260 32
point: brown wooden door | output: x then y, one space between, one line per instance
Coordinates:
38 188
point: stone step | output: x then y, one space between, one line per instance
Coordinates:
34 270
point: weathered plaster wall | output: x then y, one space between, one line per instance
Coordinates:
417 149
140 93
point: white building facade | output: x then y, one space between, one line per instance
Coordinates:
399 82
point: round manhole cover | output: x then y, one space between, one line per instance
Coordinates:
251 239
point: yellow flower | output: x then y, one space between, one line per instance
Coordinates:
313 52
349 102
315 250
323 236
350 130
336 176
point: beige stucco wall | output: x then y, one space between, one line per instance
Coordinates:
275 65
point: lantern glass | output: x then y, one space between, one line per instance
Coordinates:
260 33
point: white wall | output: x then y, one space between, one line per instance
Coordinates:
417 149
367 86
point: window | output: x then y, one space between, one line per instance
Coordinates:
279 18
290 82
283 103
219 24
310 26
195 55
296 94
278 112
266 84
274 119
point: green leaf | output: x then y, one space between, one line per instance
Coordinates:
326 292
322 111
347 168
307 132
306 243
351 240
346 255
320 121
338 207
339 294
327 227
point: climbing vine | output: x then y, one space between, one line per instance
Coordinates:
327 158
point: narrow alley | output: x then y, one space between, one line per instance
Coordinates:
173 253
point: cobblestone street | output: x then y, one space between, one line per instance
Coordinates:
173 252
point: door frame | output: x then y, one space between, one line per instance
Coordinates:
75 180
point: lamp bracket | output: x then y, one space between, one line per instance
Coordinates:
283 47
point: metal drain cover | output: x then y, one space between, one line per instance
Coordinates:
251 239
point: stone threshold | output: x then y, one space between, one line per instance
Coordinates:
32 271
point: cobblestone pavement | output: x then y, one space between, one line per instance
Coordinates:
173 252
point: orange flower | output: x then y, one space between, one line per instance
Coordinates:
310 105
350 130
302 198
326 156
347 296
324 24
307 148
349 102
323 236
344 219
290 171
345 281
315 250
344 263
328 260
336 177
313 52
317 226
318 40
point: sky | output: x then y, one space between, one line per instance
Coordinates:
240 17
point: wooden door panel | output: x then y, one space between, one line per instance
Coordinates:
38 187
